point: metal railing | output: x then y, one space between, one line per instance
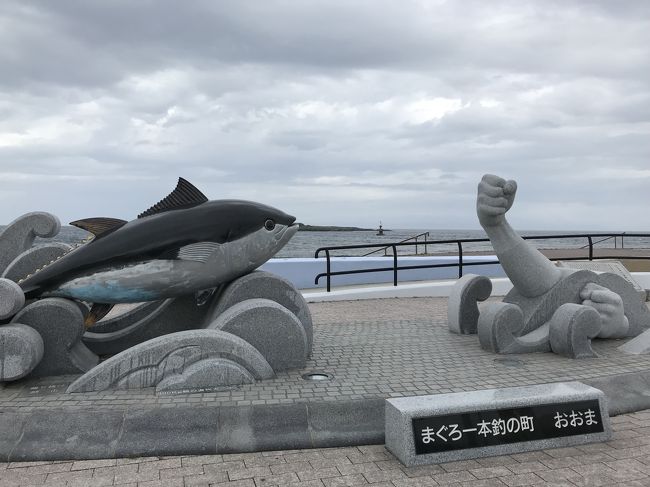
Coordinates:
414 238
460 263
615 237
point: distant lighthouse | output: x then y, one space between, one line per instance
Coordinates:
380 230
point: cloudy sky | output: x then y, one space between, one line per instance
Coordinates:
339 112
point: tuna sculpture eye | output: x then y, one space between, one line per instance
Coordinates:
269 225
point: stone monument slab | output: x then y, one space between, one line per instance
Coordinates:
449 427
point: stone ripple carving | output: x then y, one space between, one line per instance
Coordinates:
149 363
60 324
20 234
261 284
271 328
12 298
32 259
462 310
168 316
572 328
21 350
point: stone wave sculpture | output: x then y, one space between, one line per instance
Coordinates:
549 308
205 319
179 360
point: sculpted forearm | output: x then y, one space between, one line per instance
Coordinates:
531 273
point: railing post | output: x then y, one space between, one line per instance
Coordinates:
394 266
591 249
460 259
622 236
416 246
327 255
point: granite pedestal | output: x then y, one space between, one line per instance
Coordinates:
440 428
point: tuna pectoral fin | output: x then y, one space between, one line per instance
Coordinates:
97 312
198 252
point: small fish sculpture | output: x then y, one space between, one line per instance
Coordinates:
183 244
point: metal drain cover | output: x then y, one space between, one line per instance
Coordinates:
317 376
510 362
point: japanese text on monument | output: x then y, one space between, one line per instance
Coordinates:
493 427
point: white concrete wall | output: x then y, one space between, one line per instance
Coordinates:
302 272
436 282
439 289
500 287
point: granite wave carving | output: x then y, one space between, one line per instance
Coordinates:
166 359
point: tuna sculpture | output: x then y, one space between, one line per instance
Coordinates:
183 244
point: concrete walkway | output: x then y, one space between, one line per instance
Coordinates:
623 461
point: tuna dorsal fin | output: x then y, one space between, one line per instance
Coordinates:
99 226
184 196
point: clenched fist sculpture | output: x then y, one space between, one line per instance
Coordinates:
549 308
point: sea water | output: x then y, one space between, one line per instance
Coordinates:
305 244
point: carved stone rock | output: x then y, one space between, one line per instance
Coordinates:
270 328
499 327
187 356
125 320
21 349
260 284
539 310
12 298
60 324
20 234
209 373
31 260
169 316
571 330
462 308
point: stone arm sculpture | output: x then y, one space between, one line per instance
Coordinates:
530 272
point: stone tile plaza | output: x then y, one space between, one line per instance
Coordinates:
374 349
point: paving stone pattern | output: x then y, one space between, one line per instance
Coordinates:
375 349
623 461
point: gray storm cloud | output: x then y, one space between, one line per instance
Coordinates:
338 112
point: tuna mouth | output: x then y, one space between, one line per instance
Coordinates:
286 232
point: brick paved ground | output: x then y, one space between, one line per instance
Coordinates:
624 461
375 349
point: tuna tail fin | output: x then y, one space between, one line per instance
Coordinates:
97 312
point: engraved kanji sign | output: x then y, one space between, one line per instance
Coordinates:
495 427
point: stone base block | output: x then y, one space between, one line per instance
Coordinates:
449 427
